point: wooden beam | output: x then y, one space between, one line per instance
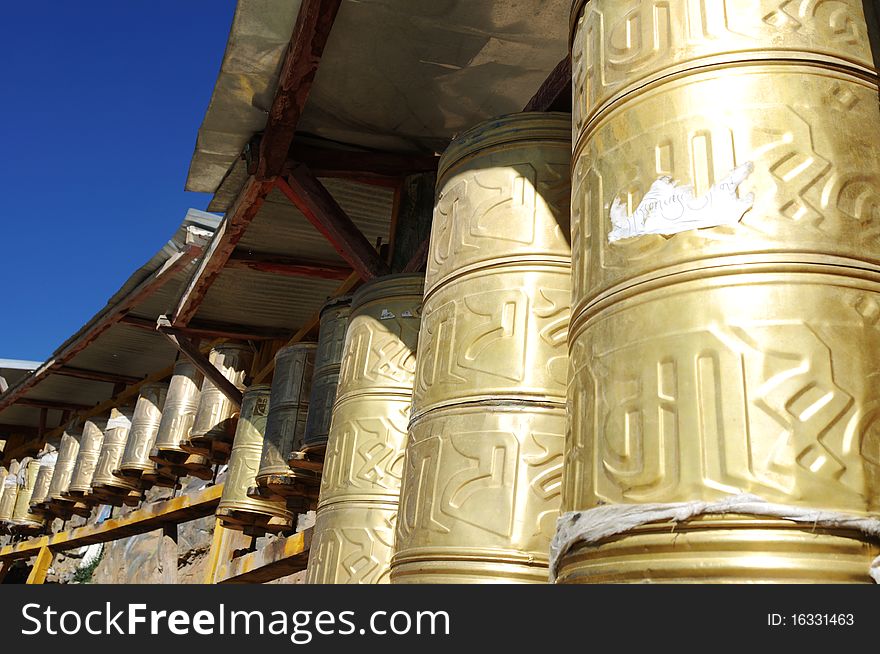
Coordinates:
227 236
212 329
279 265
24 430
191 351
95 375
140 323
51 404
183 508
419 259
316 203
310 325
279 558
141 292
555 92
360 165
310 34
41 566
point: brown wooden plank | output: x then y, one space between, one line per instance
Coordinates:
52 404
310 34
316 203
140 323
227 236
215 329
359 165
95 375
419 259
191 351
555 92
287 266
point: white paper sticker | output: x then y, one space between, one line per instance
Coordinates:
386 315
670 209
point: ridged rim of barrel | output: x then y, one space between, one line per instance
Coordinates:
336 302
528 126
253 388
388 287
577 7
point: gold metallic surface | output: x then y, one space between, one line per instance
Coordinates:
724 550
67 453
352 543
144 427
481 494
286 423
741 358
7 500
21 514
481 486
331 340
87 459
43 480
115 438
500 333
363 462
181 405
4 473
236 509
502 197
216 416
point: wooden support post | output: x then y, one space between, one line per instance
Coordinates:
415 213
168 554
41 566
316 203
224 542
191 351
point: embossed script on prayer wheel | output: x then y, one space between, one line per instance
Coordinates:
213 429
87 459
724 358
115 438
328 358
286 423
360 485
21 514
135 459
43 481
481 485
67 453
236 510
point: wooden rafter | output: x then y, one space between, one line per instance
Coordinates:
52 404
310 34
95 375
287 266
359 165
554 92
319 207
212 329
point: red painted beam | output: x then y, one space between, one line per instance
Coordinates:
316 203
310 34
278 265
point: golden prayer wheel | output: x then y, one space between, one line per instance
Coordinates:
213 428
331 340
735 352
64 464
87 459
3 474
104 482
10 492
135 461
43 481
360 486
22 517
236 510
481 485
286 423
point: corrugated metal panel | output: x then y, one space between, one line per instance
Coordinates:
246 297
59 388
127 351
280 228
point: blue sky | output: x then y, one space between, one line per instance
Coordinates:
99 109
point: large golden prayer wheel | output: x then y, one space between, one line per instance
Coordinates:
87 459
213 428
68 450
135 462
360 486
3 474
22 517
291 388
104 482
43 481
328 359
738 351
481 485
10 492
236 510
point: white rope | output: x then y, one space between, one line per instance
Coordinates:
593 525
